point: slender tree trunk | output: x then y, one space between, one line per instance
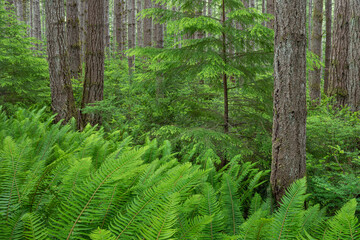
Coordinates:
309 23
37 22
328 45
62 98
73 31
83 27
289 138
31 19
107 25
118 13
147 26
94 64
131 33
316 41
339 68
159 31
354 56
270 7
139 31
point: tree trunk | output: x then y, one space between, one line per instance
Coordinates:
289 138
309 23
37 22
159 31
354 56
139 31
118 28
316 40
94 63
83 27
339 68
107 25
131 33
270 7
328 45
147 26
62 98
73 31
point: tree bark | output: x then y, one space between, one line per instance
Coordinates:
289 138
354 56
270 8
328 45
62 98
94 63
309 23
83 27
119 31
139 26
37 22
159 31
107 25
131 33
147 27
74 43
316 41
339 68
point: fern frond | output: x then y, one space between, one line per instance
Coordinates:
101 234
35 228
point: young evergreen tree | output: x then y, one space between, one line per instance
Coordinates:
62 98
354 56
328 45
93 88
339 68
289 121
316 42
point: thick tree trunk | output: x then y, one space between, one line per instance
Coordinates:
354 56
328 45
131 33
74 43
62 99
339 68
147 26
94 63
270 8
316 40
139 26
289 138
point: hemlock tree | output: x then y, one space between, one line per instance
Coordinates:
339 68
315 46
289 138
328 45
62 98
94 69
354 56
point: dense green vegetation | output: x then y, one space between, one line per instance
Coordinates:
160 166
62 184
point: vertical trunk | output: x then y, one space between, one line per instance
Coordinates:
289 138
31 18
252 3
131 33
20 10
354 56
106 25
316 40
118 19
270 7
309 24
339 68
159 31
83 27
94 63
37 22
74 44
147 26
263 6
62 99
139 32
328 45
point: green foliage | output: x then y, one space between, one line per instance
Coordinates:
23 71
